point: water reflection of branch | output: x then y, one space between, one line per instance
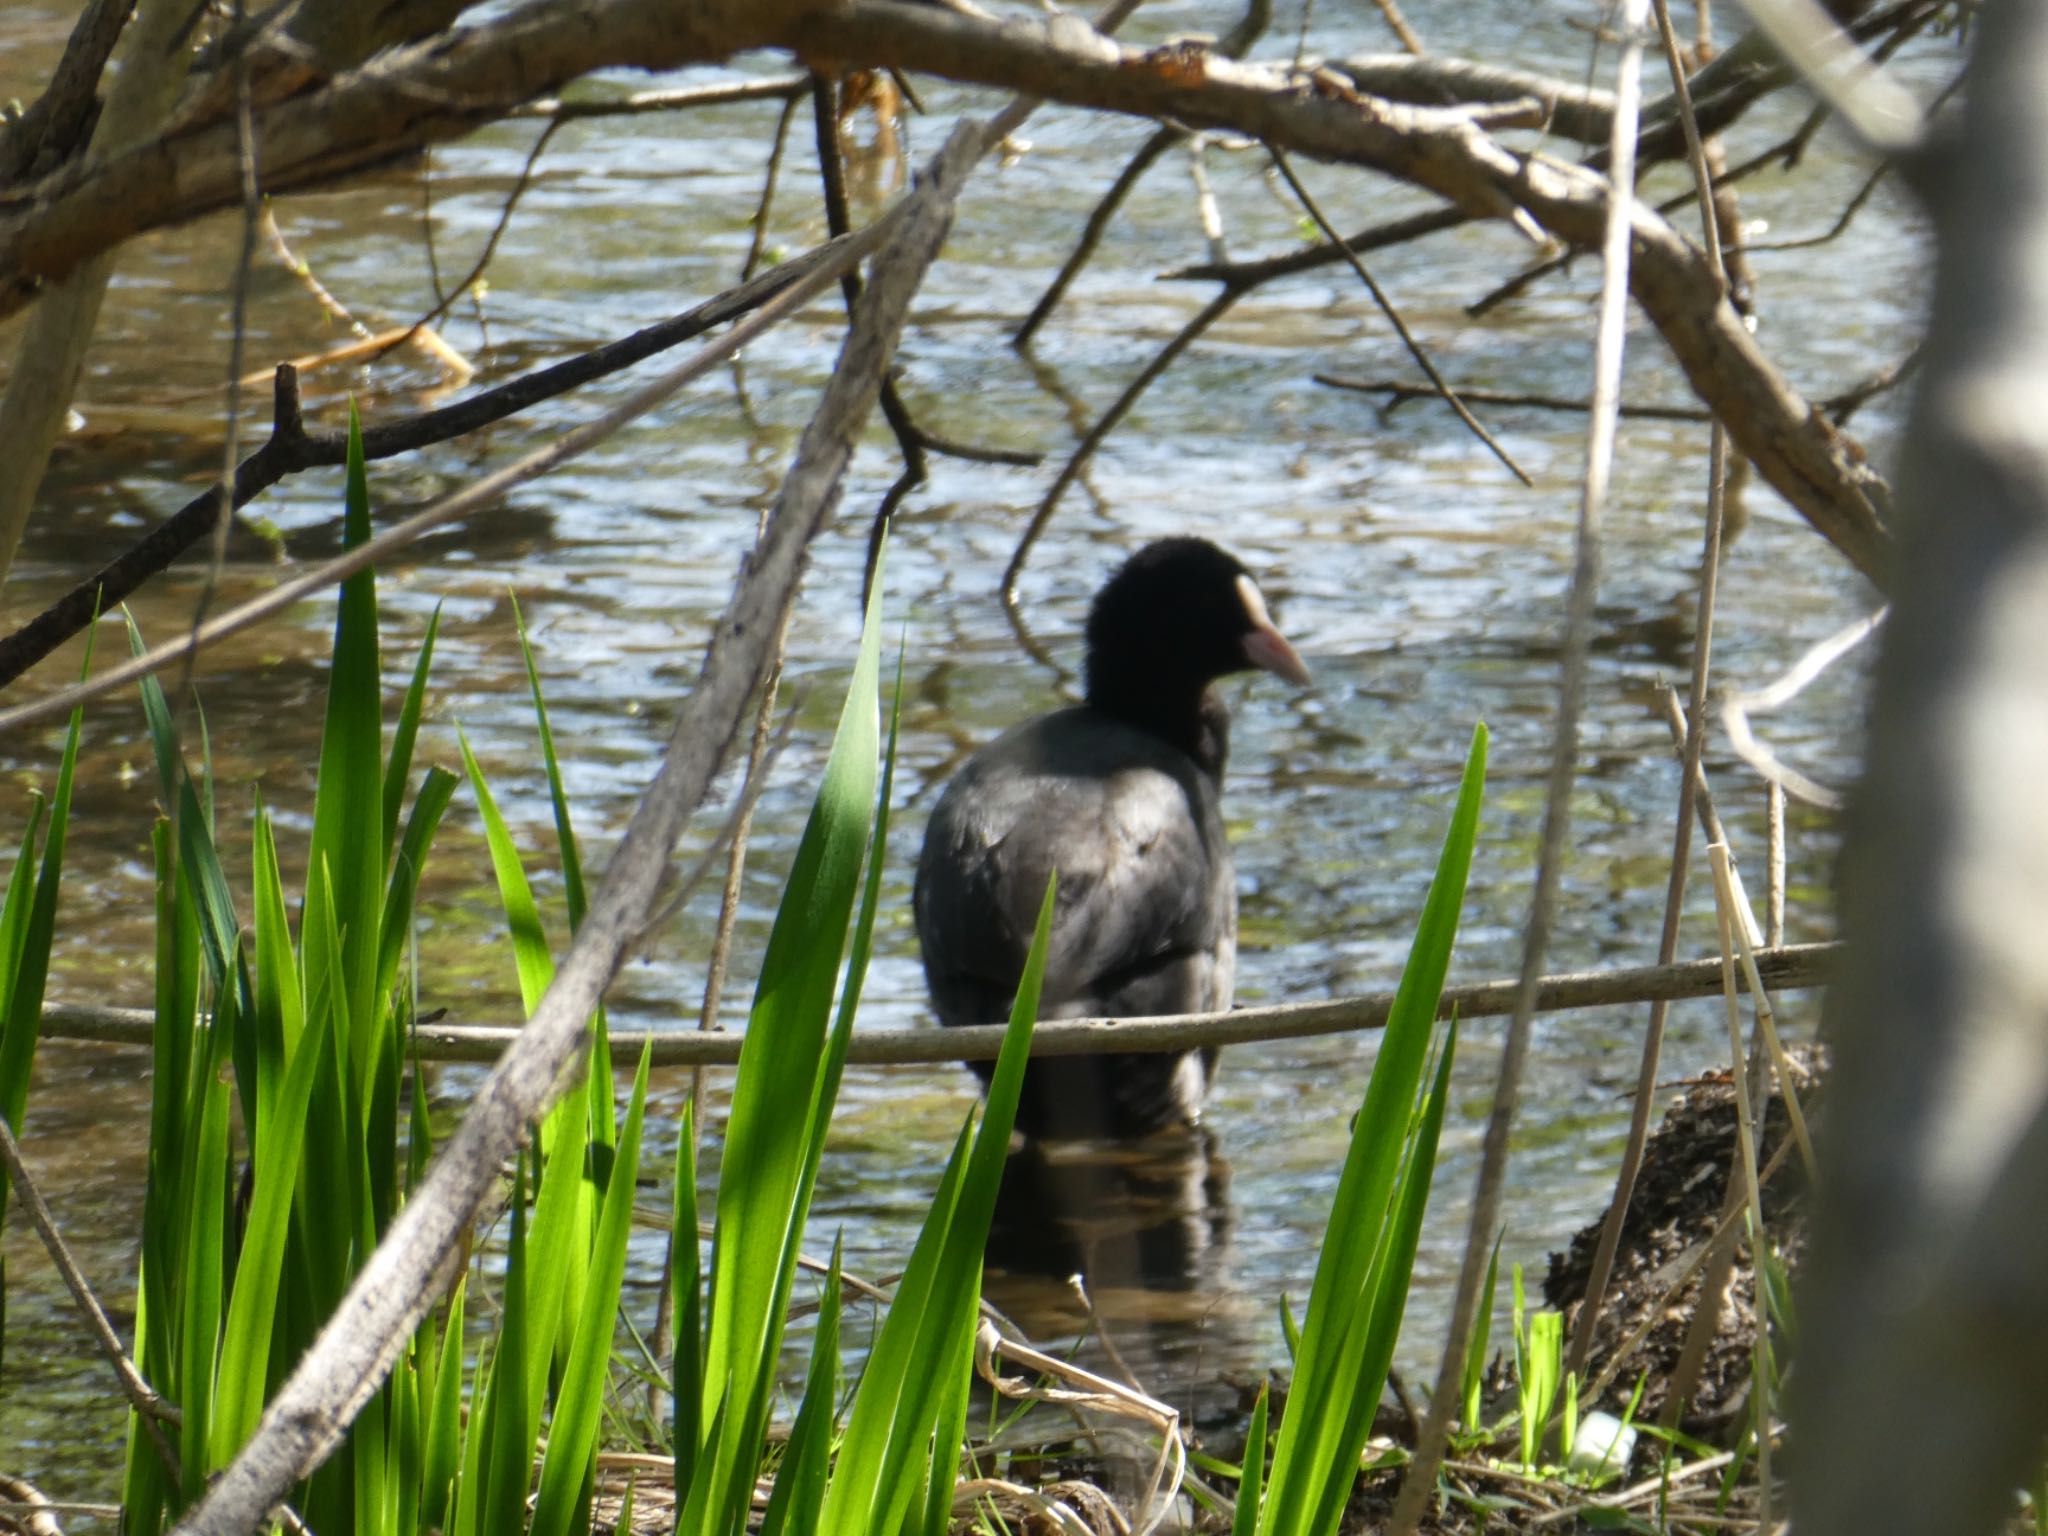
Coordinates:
1034 647
1399 394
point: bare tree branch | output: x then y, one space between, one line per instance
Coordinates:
292 447
1824 475
1783 968
56 123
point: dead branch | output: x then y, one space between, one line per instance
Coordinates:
1823 474
1437 80
400 101
292 447
57 123
1785 968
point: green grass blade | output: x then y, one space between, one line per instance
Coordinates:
531 958
348 802
1376 1326
1251 1483
572 1435
405 1450
14 911
27 959
686 1300
467 1491
21 1025
444 1419
198 861
565 833
1482 1334
508 1456
949 1427
202 1285
759 1222
559 1249
428 806
252 1309
331 1184
899 1403
565 1134
280 1002
399 766
598 1082
1320 1421
799 1489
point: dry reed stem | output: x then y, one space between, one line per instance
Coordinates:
1418 1487
1693 740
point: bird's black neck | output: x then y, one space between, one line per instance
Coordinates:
1198 723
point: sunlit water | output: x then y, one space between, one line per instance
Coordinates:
1422 583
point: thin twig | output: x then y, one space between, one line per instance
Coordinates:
1379 297
1728 894
736 864
463 503
238 341
759 242
1163 138
151 1411
502 223
1774 822
1107 423
1398 25
1694 745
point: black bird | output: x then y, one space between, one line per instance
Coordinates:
1120 796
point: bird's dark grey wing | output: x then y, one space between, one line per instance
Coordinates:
1146 914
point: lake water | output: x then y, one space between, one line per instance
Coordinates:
1422 583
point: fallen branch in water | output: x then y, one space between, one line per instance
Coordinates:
1789 967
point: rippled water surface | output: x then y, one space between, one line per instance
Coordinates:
1423 584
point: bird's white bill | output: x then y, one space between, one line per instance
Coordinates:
1265 647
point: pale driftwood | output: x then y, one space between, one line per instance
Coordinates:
1923 1310
1788 967
399 1284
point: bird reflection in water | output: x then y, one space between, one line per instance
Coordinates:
1146 1226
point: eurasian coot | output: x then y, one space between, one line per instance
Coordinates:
1120 796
